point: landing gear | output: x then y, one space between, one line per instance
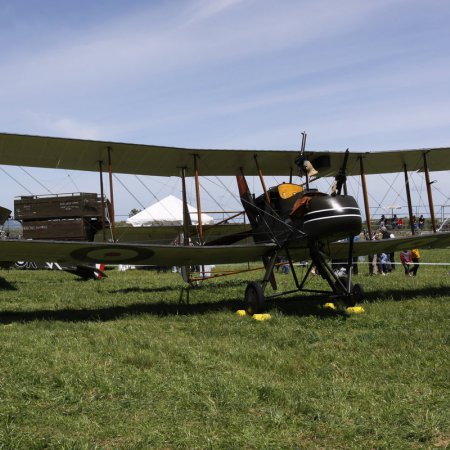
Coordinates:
349 293
343 291
254 293
358 293
254 298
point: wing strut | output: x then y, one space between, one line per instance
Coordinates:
261 177
430 196
111 195
186 216
102 193
185 270
199 206
408 198
302 155
366 197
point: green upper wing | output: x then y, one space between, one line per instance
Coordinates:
77 154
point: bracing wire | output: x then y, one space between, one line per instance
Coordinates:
215 199
212 198
374 200
278 219
18 182
390 187
146 187
72 180
419 193
233 195
445 196
132 195
36 180
154 196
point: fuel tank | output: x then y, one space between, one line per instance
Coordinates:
332 217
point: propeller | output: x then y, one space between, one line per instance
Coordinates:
254 217
341 178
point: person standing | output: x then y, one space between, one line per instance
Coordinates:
421 222
415 257
370 258
392 254
405 258
394 221
383 263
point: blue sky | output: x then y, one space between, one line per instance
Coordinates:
368 75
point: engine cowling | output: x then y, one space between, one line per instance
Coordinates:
332 217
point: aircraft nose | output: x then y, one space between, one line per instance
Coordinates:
329 216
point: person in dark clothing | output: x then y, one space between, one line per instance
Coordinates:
394 222
392 254
421 222
385 233
415 257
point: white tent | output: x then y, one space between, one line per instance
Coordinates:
168 211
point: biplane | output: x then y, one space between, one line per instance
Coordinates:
294 221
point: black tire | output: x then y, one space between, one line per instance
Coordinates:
339 288
254 298
357 293
186 273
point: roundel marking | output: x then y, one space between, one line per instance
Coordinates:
112 255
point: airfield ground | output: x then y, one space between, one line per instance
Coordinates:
116 364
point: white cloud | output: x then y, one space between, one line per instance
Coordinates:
136 47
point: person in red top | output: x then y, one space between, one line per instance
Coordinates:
406 259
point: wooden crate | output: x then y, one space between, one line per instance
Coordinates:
56 207
67 230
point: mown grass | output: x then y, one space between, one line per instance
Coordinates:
119 364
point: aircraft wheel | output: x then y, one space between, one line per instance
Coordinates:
339 288
254 298
186 273
349 299
357 293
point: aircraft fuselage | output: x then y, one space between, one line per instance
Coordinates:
315 215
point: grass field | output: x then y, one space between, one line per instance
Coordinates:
119 364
